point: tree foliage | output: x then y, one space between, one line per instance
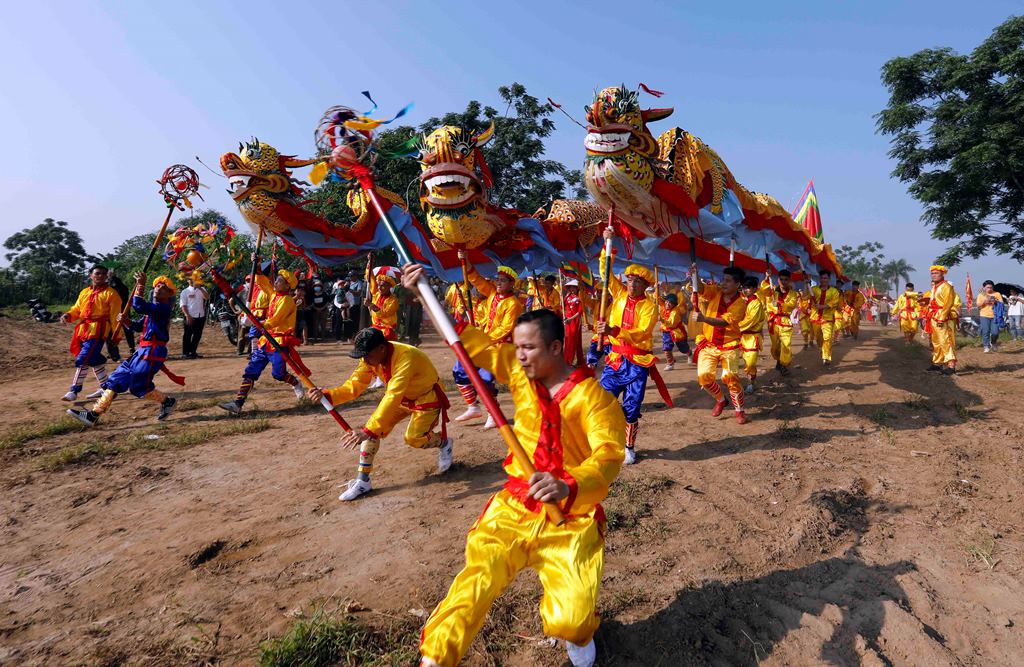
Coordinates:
956 124
48 262
868 264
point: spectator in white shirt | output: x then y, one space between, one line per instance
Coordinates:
193 302
1015 314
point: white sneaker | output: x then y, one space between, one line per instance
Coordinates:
356 487
300 393
749 388
95 394
669 367
70 397
581 656
444 455
986 350
630 460
472 412
376 384
490 423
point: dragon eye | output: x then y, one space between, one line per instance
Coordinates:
463 148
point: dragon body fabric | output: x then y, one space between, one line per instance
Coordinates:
676 184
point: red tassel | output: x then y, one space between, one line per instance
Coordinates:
485 171
656 93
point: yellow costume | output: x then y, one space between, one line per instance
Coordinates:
96 312
824 303
780 304
942 317
854 303
497 314
455 301
908 311
412 389
750 334
577 435
720 346
384 314
806 326
542 298
280 310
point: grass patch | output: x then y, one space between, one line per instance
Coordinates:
881 416
629 501
966 414
19 435
889 435
93 452
787 431
984 552
624 601
917 402
323 638
198 404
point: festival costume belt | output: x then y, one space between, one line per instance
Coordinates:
288 343
440 402
778 319
721 348
626 350
758 343
176 379
77 338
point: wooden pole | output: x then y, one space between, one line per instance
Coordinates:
118 327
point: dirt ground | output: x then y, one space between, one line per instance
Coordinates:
867 515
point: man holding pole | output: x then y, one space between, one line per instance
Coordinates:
750 329
825 301
411 389
95 314
721 308
629 326
781 301
572 429
500 308
280 324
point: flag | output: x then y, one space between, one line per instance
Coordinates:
807 214
969 291
578 271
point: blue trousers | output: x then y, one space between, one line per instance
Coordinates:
91 353
988 330
135 374
629 382
460 377
259 359
593 355
667 343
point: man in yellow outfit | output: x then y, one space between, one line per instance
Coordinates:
572 429
750 329
908 311
943 314
280 323
383 305
806 326
855 303
629 328
411 389
673 329
95 314
545 294
780 302
455 300
721 308
496 316
825 301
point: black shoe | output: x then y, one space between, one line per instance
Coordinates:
87 417
935 367
826 362
949 371
234 407
166 408
784 370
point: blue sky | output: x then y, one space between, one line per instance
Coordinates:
100 97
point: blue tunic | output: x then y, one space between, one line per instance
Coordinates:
135 374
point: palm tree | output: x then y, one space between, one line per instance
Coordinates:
896 269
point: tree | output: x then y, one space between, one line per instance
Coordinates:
896 269
47 262
958 140
863 263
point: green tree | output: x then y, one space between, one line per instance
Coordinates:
896 269
956 124
48 262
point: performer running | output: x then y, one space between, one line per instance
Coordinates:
825 300
629 326
750 329
497 316
383 305
95 312
721 308
806 326
593 354
854 304
411 389
781 301
280 324
137 372
673 329
573 320
942 314
908 311
573 431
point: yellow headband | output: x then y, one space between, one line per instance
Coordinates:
938 267
166 282
640 272
507 270
289 277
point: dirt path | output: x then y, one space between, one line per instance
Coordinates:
868 515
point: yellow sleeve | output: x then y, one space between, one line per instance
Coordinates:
615 286
752 319
266 287
356 384
389 313
402 370
735 313
645 317
606 428
765 291
75 311
674 318
113 309
946 302
485 286
283 317
498 359
833 299
505 320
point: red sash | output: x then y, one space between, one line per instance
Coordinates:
176 379
77 338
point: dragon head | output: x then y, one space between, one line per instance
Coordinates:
453 186
259 177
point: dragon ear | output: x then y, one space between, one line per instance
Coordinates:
656 114
485 136
291 161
